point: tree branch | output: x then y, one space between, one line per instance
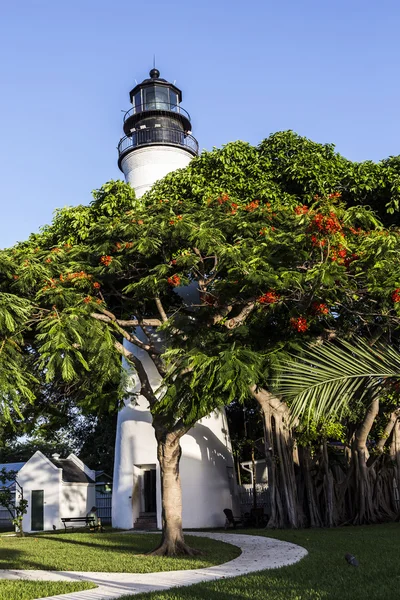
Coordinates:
146 389
161 310
122 323
242 316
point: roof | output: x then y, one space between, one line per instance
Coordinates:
155 79
71 473
16 466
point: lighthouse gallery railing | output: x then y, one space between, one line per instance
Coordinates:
158 135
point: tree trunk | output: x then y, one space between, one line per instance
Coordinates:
253 470
314 514
276 518
364 508
328 487
169 454
281 477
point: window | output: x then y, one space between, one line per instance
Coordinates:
138 102
156 98
173 97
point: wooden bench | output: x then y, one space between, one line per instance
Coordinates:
88 522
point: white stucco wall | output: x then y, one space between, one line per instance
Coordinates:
144 166
76 499
39 473
206 465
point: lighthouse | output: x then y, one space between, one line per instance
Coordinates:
157 141
157 131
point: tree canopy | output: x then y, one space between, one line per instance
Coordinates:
237 259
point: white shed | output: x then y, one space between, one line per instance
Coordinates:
55 488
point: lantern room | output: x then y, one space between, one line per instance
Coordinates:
154 99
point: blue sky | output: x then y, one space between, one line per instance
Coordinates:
328 70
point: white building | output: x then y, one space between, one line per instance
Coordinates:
157 141
55 488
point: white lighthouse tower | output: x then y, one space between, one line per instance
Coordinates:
157 141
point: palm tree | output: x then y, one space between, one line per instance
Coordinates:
321 383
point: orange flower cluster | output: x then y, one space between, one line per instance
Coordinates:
87 299
106 260
96 285
174 221
252 206
128 244
301 210
335 195
15 277
357 231
53 284
174 281
56 250
269 297
299 324
338 254
234 208
319 308
396 295
223 198
324 224
48 260
318 242
79 275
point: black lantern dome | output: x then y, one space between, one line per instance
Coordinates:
156 117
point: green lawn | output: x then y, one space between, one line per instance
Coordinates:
322 575
28 590
105 552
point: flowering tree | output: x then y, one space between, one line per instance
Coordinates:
276 245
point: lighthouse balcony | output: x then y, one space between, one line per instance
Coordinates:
156 109
156 136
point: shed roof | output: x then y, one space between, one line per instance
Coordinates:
15 466
71 473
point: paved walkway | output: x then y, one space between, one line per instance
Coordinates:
258 553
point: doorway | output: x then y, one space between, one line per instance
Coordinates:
149 490
37 510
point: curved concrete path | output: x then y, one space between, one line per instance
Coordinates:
258 553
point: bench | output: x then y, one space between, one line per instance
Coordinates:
88 522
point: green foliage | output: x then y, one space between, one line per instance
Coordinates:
250 251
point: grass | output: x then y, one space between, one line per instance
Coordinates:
116 553
322 575
30 590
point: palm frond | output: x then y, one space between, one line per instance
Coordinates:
323 381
